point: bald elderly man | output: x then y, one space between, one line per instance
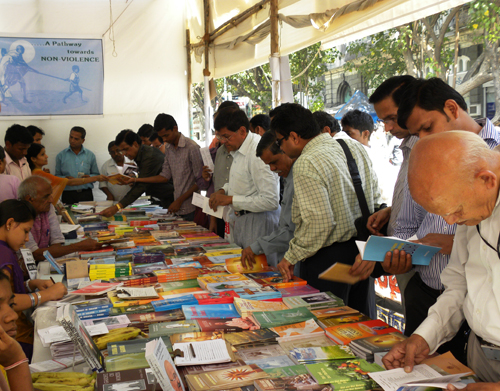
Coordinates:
455 175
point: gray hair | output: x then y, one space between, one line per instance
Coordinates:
29 187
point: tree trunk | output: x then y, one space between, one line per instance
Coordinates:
495 70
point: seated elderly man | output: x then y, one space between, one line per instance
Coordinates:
46 234
455 175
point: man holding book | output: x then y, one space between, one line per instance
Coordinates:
325 204
455 175
277 241
111 167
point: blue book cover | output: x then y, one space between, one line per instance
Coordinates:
99 307
195 264
48 256
377 246
210 311
128 251
101 261
173 303
263 293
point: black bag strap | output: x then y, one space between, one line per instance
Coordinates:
356 179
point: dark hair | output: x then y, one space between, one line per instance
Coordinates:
268 141
2 153
18 134
262 120
146 130
164 121
3 276
129 136
227 103
80 130
358 120
34 130
20 211
324 119
33 151
232 119
429 95
156 136
111 145
394 86
292 117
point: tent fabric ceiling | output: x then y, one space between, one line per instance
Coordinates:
227 58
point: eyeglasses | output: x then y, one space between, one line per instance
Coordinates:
387 121
223 138
279 141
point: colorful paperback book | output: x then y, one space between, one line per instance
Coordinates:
334 312
322 353
298 290
376 247
344 334
234 265
312 341
228 325
291 383
150 317
133 346
96 289
314 301
196 337
378 343
210 311
272 362
174 327
263 293
291 370
163 367
247 337
124 362
230 285
169 286
298 330
135 309
345 375
344 319
282 318
142 379
279 282
203 281
173 303
247 307
226 379
149 258
226 297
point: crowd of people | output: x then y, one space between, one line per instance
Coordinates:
294 182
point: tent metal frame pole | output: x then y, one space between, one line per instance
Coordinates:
206 72
189 83
275 49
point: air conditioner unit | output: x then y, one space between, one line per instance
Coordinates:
475 110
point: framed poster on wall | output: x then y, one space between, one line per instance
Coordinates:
50 77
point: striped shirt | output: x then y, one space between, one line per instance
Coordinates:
414 220
325 204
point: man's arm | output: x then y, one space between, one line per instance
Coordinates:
109 195
153 179
58 250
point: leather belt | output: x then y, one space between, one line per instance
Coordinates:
241 212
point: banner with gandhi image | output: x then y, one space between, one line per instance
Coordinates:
48 77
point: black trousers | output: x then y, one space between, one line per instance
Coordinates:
356 296
419 297
75 196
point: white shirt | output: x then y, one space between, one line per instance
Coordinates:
252 184
472 282
110 168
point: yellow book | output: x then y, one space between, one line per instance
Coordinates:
246 307
205 280
218 252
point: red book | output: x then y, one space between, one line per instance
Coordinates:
343 334
226 297
138 223
277 282
228 325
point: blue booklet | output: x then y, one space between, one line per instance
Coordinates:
48 256
173 303
377 246
210 311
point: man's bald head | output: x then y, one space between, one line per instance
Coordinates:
455 175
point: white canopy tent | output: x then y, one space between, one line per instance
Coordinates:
149 73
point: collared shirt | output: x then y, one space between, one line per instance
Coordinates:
325 204
110 168
472 281
21 170
149 160
55 233
182 164
252 184
8 187
277 242
222 167
414 220
401 182
202 183
69 163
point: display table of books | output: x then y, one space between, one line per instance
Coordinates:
168 305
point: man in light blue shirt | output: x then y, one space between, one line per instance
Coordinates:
76 162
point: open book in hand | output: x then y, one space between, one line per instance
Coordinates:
375 248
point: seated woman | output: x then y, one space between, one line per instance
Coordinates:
37 158
8 183
16 220
14 364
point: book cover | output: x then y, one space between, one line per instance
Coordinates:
344 319
203 281
323 353
117 302
339 272
334 312
247 307
133 346
298 329
250 336
210 311
278 282
314 301
226 379
298 290
133 379
196 337
307 341
379 343
234 265
291 370
151 317
174 285
148 258
272 362
173 303
230 285
377 246
291 383
175 327
228 325
344 334
263 293
96 289
282 318
346 375
163 367
261 352
135 309
225 297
